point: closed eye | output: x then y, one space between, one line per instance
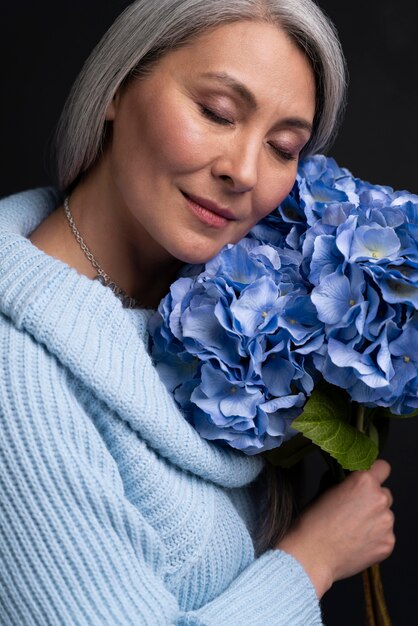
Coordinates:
287 156
214 117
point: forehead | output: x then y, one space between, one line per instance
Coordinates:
259 55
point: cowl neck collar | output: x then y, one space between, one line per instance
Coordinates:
104 345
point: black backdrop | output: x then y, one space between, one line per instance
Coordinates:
42 47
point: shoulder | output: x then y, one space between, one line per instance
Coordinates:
22 212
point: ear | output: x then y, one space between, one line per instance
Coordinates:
112 108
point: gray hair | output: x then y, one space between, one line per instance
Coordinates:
147 29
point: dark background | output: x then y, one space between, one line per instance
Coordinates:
42 48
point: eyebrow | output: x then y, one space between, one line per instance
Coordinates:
245 94
297 122
240 89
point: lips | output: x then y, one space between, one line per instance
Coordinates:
206 207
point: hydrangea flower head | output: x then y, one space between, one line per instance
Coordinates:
234 344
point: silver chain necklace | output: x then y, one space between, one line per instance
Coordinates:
102 277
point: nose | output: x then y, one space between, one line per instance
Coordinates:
237 165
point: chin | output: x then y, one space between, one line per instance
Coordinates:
194 250
197 255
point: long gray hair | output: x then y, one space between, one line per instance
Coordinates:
149 28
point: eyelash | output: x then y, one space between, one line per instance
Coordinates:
214 117
281 153
218 119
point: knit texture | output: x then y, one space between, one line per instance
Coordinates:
113 510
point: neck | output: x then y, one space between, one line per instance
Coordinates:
118 243
122 247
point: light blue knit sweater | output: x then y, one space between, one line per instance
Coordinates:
113 511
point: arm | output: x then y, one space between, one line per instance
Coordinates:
73 548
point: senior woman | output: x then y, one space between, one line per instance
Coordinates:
183 130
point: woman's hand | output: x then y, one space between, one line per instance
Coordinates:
347 529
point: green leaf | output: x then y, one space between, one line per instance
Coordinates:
290 452
325 421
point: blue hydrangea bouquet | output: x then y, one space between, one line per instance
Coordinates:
306 331
323 290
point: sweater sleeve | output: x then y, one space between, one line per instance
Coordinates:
73 549
273 590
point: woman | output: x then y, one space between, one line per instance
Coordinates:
184 130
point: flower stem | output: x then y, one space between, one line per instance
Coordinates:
382 614
360 418
377 613
368 598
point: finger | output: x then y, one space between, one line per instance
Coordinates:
380 470
389 496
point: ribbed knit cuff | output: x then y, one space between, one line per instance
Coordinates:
274 590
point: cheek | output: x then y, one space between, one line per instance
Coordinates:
177 139
273 190
158 135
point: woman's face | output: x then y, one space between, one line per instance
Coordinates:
207 144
